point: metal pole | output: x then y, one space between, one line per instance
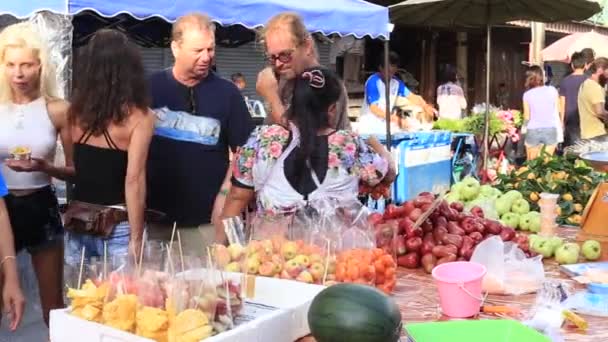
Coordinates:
538 43
486 138
387 94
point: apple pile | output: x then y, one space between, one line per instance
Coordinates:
449 234
565 253
276 258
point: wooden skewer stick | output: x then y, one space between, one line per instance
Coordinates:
141 257
81 267
327 256
181 251
105 260
172 235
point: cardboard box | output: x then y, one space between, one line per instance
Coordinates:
278 313
593 224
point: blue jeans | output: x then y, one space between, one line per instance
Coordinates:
117 242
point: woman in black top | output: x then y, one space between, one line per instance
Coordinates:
111 127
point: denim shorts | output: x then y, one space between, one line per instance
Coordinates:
541 136
35 220
117 244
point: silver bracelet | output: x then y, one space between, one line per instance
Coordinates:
7 258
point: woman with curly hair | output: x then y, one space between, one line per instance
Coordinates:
112 126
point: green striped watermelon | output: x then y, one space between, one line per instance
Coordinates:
354 313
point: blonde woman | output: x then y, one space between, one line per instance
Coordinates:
32 118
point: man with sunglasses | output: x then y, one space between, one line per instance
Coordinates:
290 49
203 118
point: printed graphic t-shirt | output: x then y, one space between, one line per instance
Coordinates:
184 177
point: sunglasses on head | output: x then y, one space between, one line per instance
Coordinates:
283 57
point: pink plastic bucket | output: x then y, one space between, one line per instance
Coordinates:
459 287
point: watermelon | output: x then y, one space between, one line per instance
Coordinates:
354 313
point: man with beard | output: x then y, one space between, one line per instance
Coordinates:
203 117
591 100
568 92
291 49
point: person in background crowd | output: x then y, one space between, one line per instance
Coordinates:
32 117
373 111
285 167
189 179
541 113
112 127
503 97
290 49
591 100
589 56
568 92
450 96
239 80
13 302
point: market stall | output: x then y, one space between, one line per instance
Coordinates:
448 13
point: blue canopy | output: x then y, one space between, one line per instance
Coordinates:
343 17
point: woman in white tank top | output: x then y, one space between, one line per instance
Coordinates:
32 118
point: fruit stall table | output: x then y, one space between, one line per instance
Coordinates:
416 295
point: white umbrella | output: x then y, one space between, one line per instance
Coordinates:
562 50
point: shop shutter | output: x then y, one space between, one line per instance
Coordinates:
154 59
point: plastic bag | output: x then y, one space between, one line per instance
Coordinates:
547 312
509 272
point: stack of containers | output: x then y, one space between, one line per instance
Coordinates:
548 213
424 164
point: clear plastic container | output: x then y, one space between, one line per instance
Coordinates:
548 213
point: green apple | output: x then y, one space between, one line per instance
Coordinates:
503 205
520 206
542 246
535 221
470 188
567 254
452 197
514 195
525 221
532 238
556 242
592 250
456 188
488 191
510 220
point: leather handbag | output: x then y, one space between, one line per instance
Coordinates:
93 219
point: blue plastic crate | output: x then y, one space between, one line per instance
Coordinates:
424 164
433 177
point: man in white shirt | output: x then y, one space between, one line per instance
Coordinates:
373 114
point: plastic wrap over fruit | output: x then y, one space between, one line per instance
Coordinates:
509 271
487 205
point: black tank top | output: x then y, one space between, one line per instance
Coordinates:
100 172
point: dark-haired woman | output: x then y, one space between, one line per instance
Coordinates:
450 96
112 126
285 167
544 127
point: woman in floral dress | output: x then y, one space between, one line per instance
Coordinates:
286 167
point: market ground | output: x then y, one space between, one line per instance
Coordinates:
32 327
